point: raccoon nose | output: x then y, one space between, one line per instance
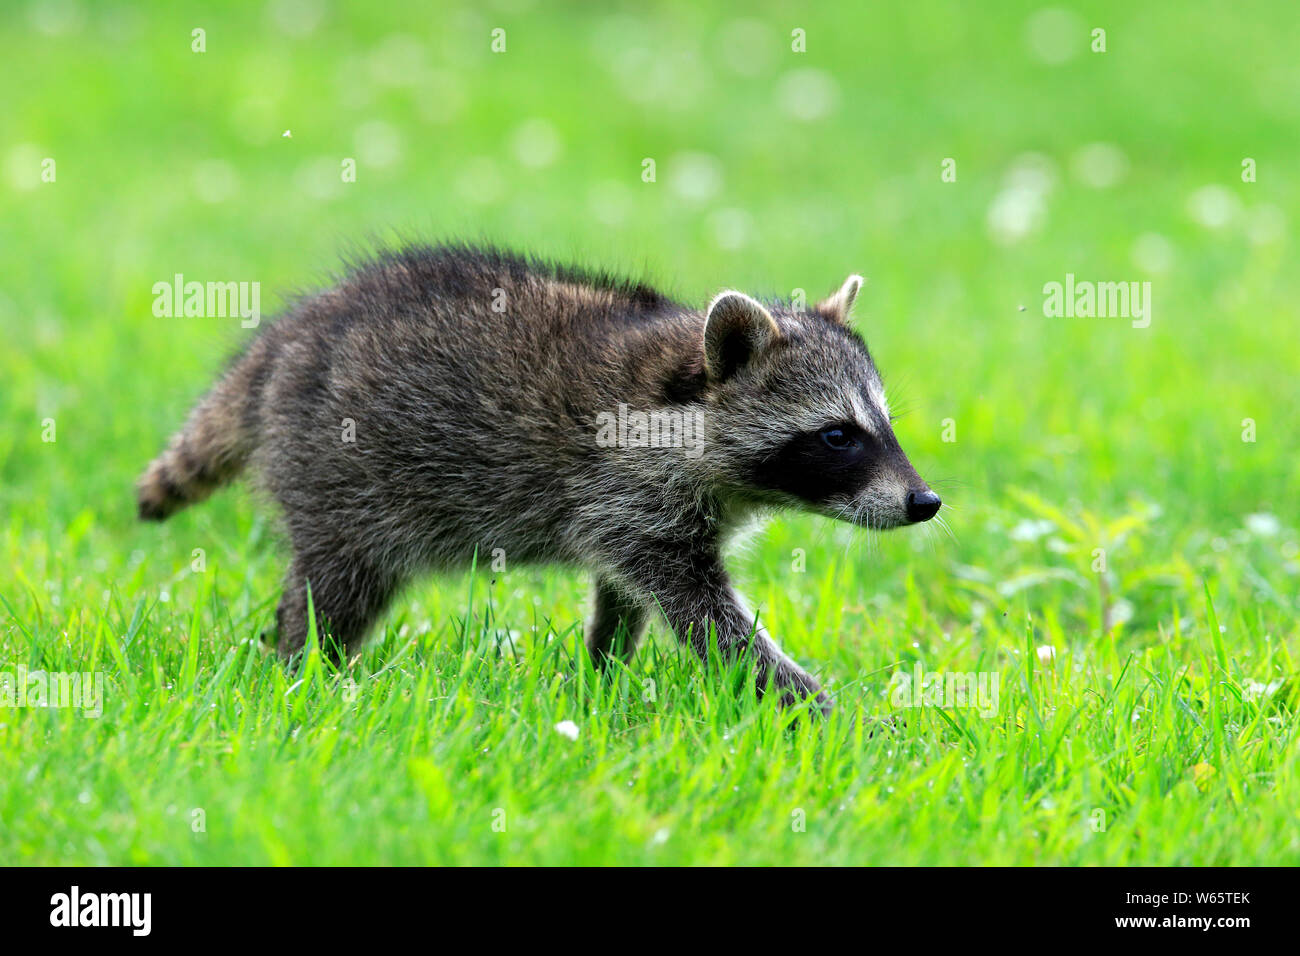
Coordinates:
922 505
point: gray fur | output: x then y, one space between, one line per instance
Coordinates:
476 429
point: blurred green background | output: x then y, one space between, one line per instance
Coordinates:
775 171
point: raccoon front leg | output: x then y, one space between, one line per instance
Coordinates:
618 613
347 597
694 593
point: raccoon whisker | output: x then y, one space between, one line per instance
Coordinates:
943 524
845 513
950 483
862 540
861 516
872 536
844 553
870 541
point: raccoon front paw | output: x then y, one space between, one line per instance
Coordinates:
794 685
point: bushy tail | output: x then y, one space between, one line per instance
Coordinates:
214 445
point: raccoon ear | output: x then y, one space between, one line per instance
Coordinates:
737 328
838 306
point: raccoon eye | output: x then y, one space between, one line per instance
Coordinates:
838 439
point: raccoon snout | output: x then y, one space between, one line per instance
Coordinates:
922 505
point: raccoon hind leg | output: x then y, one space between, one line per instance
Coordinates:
347 597
616 624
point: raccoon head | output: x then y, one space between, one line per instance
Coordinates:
797 413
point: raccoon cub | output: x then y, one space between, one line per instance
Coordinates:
447 400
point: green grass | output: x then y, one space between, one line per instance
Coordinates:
1162 730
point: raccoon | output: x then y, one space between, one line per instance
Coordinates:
446 401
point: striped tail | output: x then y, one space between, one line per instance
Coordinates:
212 448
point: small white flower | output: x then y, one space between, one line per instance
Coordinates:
1055 36
1255 690
695 177
1099 165
1152 252
536 143
1263 524
1213 207
1015 213
1046 654
1029 530
1121 611
567 728
807 94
